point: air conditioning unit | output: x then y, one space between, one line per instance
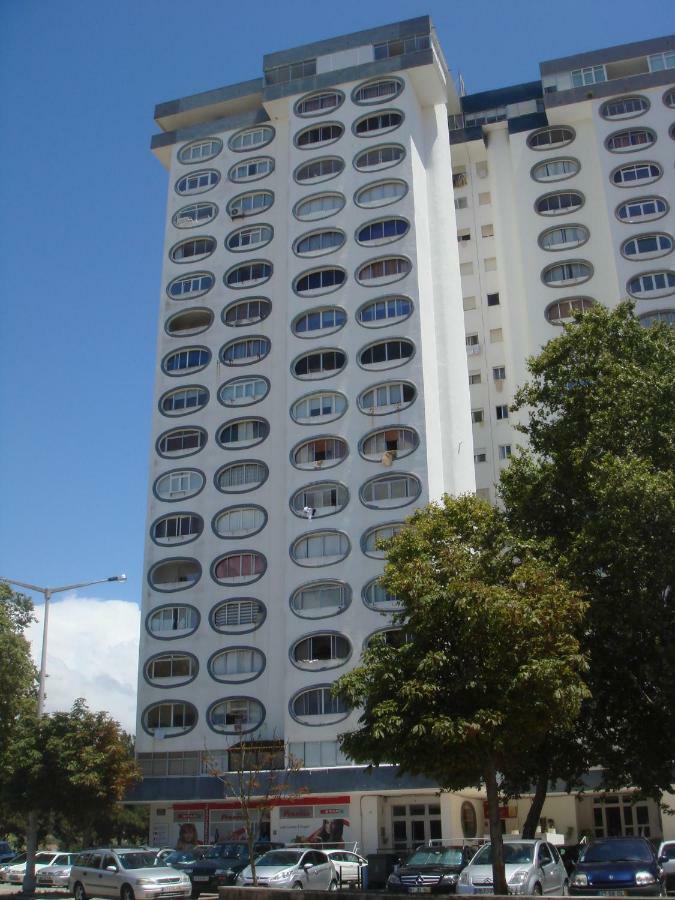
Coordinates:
236 212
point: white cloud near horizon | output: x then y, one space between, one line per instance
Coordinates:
92 652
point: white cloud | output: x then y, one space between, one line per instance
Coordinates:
92 652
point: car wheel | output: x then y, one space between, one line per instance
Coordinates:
79 892
127 893
297 886
536 890
333 886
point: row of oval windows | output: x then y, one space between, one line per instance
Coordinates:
241 715
313 549
564 167
312 365
320 599
319 242
318 500
388 310
315 453
644 286
623 141
563 311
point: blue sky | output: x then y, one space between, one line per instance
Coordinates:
82 235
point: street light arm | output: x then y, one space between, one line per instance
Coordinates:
66 587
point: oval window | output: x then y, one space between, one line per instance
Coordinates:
382 399
241 433
172 718
251 169
319 453
318 706
556 169
192 321
390 491
237 665
630 139
242 567
565 237
372 536
377 91
176 528
171 622
384 270
659 316
650 285
375 124
319 364
386 354
319 103
171 669
647 246
181 442
376 597
186 360
318 243
200 151
239 521
240 615
548 138
245 351
195 214
179 484
240 477
374 159
317 322
636 173
197 182
318 500
249 204
562 312
560 203
319 135
185 400
235 715
320 548
384 311
244 391
642 209
319 281
387 444
247 312
575 271
321 406
320 599
317 170
380 193
318 652
382 231
174 574
249 138
248 274
187 287
251 237
624 107
318 206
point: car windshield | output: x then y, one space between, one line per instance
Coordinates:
436 856
44 857
17 859
137 860
514 854
177 856
617 851
227 851
280 858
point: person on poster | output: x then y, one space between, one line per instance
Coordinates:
187 837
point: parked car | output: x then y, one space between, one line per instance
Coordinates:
618 866
124 874
290 868
6 852
666 858
569 854
350 867
16 872
430 870
4 869
183 860
57 874
163 853
221 864
532 867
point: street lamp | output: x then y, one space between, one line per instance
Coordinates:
28 886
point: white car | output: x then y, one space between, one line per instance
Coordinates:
349 866
667 863
16 872
125 875
56 875
288 867
532 867
5 867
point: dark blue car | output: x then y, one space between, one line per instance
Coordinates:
621 866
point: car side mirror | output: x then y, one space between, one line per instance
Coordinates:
111 868
663 858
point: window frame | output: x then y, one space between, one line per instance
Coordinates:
329 485
248 248
319 127
187 370
318 332
333 662
316 232
374 115
223 651
214 181
240 420
383 182
378 607
561 247
621 117
558 323
172 703
550 145
390 476
239 507
209 241
653 254
190 332
345 598
179 633
560 211
242 132
323 534
323 373
378 167
567 282
625 167
376 456
236 203
651 217
327 462
250 320
371 82
321 111
371 530
245 341
385 365
182 585
313 198
231 554
387 320
201 432
239 628
183 495
385 239
175 218
190 276
247 485
553 180
667 291
240 379
186 410
320 419
236 728
388 408
321 290
168 653
250 178
177 515
330 718
632 147
200 141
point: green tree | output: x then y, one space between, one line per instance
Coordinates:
489 663
597 483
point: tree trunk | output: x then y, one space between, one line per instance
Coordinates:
496 839
536 806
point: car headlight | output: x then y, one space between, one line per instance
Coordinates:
220 872
452 877
644 878
145 881
281 876
580 880
394 878
518 877
464 878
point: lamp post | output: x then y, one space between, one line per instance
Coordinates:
28 887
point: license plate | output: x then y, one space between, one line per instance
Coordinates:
482 890
420 890
612 893
200 878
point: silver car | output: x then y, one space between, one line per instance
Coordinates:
667 863
57 874
125 875
532 867
299 870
